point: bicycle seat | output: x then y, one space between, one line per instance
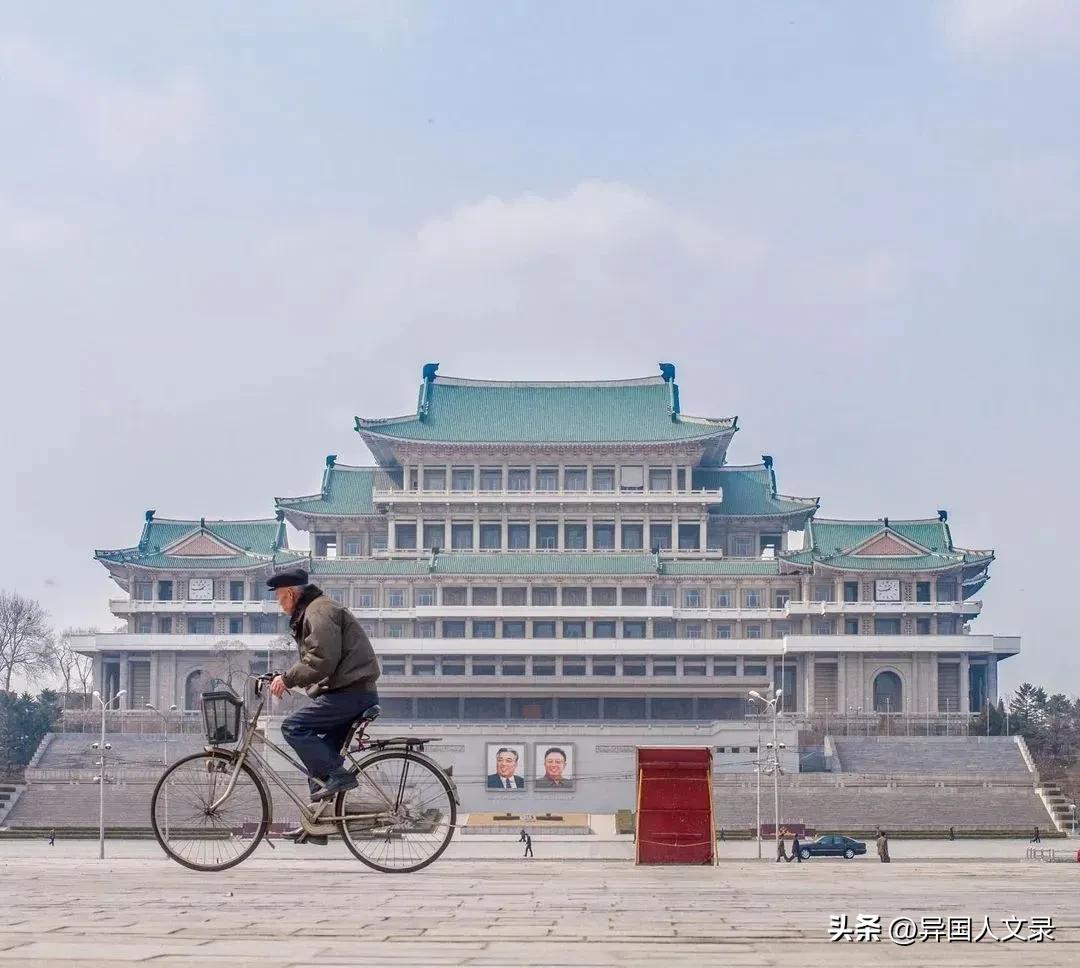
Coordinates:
372 712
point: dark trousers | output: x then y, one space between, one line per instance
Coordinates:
528 849
795 855
318 731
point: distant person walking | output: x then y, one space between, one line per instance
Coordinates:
883 847
52 837
1036 839
527 840
952 833
781 850
795 855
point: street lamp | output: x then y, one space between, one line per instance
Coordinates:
757 770
101 779
165 753
775 747
1072 807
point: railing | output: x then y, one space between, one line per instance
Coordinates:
714 495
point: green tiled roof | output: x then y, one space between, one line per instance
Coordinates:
475 411
261 541
750 492
346 490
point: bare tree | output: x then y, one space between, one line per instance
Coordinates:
76 670
234 660
26 641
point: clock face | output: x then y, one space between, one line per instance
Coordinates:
200 589
887 590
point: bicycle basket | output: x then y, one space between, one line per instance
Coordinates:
221 710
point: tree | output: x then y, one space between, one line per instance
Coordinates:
26 641
76 670
24 720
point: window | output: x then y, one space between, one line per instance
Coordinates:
352 549
264 624
851 626
236 591
425 597
724 667
547 479
603 535
423 667
461 537
742 546
603 630
632 477
723 597
437 708
199 625
633 667
405 536
543 630
767 541
823 627
663 667
326 546
455 595
490 536
165 590
434 536
574 479
659 535
483 666
633 596
336 595
723 630
673 708
395 630
659 478
483 629
946 625
434 479
752 632
573 666
922 626
693 598
573 630
454 629
603 479
922 591
781 597
886 626
516 595
754 666
393 666
575 537
753 598
513 666
604 666
603 596
822 592
518 536
624 708
579 708
519 479
481 708
395 598
543 595
573 596
532 708
663 629
364 598
164 625
689 537
693 630
485 596
851 591
452 665
946 590
633 630
260 593
633 537
144 591
425 630
491 479
547 536
513 630
663 596
461 479
543 665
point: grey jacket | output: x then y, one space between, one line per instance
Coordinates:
334 650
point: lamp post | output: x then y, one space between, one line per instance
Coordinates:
165 753
1072 807
757 770
101 778
775 747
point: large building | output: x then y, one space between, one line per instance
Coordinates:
531 552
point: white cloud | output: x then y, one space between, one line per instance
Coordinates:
122 123
1041 190
1003 28
30 233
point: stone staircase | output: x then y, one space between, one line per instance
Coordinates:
9 793
1057 805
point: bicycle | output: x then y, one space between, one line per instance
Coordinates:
400 818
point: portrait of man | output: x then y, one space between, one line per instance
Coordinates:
554 767
506 767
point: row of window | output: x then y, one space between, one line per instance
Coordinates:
195 589
564 708
206 624
478 665
628 478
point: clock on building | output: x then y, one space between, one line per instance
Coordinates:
200 589
887 590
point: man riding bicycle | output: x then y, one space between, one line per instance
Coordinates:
337 667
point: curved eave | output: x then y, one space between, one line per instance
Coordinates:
895 569
206 564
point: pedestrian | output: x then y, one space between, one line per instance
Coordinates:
952 833
527 840
781 851
721 834
1036 839
795 855
52 837
883 847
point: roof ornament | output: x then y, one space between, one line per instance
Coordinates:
886 521
425 390
667 371
433 558
331 459
942 515
657 564
202 523
150 516
280 514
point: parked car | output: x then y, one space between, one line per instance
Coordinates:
832 845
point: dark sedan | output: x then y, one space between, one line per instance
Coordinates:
831 846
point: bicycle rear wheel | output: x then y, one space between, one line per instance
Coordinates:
405 812
194 833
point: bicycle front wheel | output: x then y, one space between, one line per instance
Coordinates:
191 829
402 815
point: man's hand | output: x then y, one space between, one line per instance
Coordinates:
278 687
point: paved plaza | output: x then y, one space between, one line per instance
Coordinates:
311 906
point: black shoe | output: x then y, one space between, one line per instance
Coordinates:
298 835
335 785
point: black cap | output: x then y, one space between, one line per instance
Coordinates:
288 578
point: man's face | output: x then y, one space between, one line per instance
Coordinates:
554 764
506 764
286 597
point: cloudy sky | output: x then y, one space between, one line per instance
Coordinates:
226 229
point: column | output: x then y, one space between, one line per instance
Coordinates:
703 532
965 683
589 532
646 530
125 684
391 535
560 543
618 528
476 531
808 683
932 688
532 529
447 543
675 531
505 545
419 476
155 690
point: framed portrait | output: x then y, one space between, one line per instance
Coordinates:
554 766
506 766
